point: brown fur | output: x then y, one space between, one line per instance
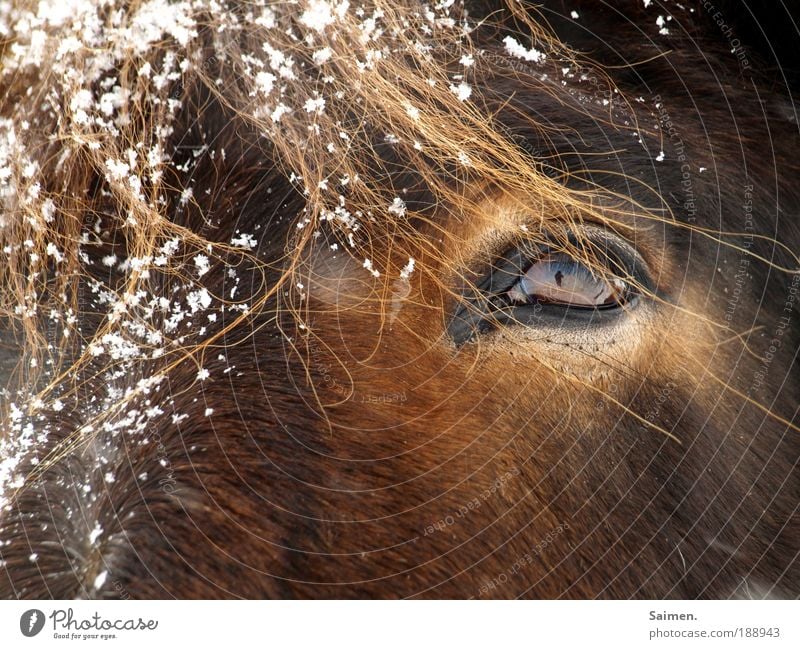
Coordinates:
365 455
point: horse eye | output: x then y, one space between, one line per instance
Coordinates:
561 280
539 287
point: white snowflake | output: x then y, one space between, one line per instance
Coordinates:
318 16
316 105
244 241
202 264
398 207
322 56
368 265
406 271
462 91
412 112
265 81
515 49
